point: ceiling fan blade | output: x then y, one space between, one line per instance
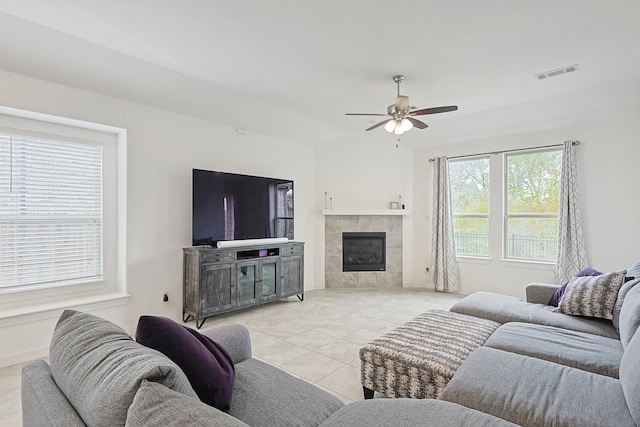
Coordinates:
434 110
377 125
365 114
417 123
401 104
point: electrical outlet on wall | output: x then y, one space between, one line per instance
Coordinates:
165 296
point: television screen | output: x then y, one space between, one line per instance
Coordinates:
229 206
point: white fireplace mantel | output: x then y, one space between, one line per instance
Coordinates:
365 212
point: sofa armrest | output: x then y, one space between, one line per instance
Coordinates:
43 403
540 293
234 337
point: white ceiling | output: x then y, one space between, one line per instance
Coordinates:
291 68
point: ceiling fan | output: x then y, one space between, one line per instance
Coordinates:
401 116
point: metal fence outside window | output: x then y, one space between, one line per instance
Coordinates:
475 244
538 248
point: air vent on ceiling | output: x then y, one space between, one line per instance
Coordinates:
558 72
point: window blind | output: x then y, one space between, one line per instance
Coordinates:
51 225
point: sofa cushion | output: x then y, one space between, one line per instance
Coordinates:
411 412
156 405
503 309
630 315
99 367
633 272
630 376
559 293
592 296
624 289
588 352
264 395
206 363
534 392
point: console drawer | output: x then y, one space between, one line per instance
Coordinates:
211 256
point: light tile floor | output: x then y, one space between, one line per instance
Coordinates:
317 339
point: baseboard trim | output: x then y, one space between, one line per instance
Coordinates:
28 356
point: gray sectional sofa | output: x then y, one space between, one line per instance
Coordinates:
99 376
545 368
539 368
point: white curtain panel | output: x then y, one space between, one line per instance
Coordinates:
572 256
444 266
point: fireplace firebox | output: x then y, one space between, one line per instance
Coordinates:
364 251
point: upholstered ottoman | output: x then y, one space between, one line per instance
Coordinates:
419 358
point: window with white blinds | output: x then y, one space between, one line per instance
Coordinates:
51 213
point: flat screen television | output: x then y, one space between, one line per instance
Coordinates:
229 206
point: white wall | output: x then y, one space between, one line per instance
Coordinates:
608 185
162 149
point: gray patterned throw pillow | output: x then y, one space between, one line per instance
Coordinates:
592 296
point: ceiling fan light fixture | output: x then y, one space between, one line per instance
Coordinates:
399 130
401 116
406 124
390 126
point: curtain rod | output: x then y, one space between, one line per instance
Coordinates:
507 151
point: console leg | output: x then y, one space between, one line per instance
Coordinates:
368 393
301 297
186 317
198 326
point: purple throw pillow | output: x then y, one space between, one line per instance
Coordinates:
557 295
207 365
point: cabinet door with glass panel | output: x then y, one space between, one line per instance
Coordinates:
269 285
257 281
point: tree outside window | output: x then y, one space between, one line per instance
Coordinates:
532 191
470 191
530 202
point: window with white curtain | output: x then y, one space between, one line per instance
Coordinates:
62 204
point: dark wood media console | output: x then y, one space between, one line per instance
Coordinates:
222 280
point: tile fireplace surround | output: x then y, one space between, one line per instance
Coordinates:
335 225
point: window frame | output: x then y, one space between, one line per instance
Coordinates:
486 216
37 148
23 300
505 205
498 215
